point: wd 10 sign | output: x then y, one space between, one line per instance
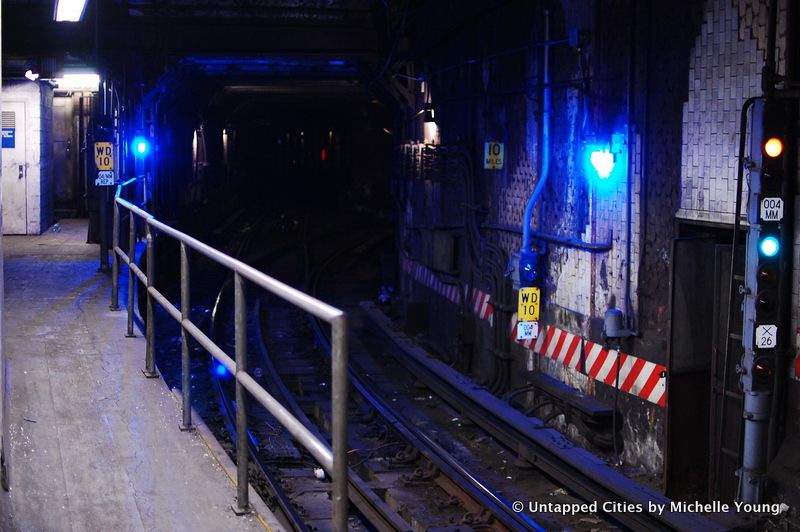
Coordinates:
104 161
104 155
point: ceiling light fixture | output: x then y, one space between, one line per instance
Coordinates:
69 10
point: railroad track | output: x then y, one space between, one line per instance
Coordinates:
400 479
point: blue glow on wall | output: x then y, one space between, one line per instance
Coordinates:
602 162
140 146
605 164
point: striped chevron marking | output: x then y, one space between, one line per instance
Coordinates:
481 306
636 376
428 278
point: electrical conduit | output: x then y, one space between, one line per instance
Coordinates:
527 219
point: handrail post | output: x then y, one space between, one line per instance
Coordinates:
132 258
186 390
240 325
115 263
339 410
150 363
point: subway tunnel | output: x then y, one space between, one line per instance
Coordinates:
566 213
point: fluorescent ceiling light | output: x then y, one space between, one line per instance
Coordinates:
87 82
69 10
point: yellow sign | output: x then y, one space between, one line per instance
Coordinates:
104 155
493 155
528 304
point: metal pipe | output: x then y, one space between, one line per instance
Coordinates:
631 171
527 218
131 282
316 447
339 411
592 247
103 197
171 309
149 363
186 390
242 456
139 273
288 293
115 262
124 256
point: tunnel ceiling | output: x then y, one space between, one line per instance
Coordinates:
142 41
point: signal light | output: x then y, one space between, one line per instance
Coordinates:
141 146
766 303
767 274
528 268
220 370
773 147
769 246
763 370
763 367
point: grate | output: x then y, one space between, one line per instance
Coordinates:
9 119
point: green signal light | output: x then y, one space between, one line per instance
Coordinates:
769 246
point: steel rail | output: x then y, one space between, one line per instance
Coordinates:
472 486
333 459
578 470
283 502
367 502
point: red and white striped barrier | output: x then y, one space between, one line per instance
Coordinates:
428 278
481 306
637 376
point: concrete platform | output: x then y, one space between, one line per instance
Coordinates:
94 445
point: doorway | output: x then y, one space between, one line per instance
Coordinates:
70 117
704 405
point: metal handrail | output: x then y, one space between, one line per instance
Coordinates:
333 460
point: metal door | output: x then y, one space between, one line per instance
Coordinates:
15 169
64 156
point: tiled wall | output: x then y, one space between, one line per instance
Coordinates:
725 70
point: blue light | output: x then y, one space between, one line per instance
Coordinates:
528 271
141 146
336 62
605 165
602 162
220 370
769 246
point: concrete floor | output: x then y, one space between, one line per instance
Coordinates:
94 445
